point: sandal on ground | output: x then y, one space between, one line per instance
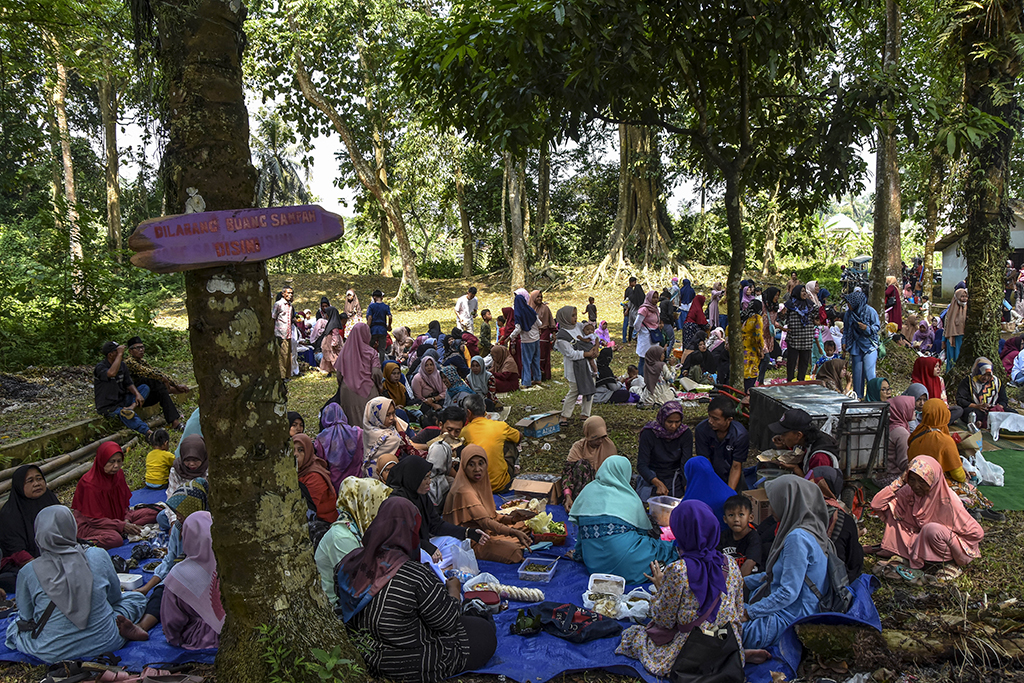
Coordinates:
993 516
563 423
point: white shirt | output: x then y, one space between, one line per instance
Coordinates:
529 336
465 311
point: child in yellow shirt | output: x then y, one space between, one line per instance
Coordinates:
159 460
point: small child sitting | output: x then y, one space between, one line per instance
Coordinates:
831 353
159 460
741 542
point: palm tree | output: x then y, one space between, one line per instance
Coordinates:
281 180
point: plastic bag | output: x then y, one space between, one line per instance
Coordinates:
480 579
464 559
539 523
990 473
638 603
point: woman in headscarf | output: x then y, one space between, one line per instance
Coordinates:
358 502
470 504
506 339
860 339
754 347
648 320
701 587
586 457
893 303
686 294
394 383
923 338
315 480
878 389
441 457
102 498
29 496
953 326
800 319
694 321
746 293
330 339
901 413
402 343
835 376
928 373
359 375
780 595
665 446
456 356
657 378
717 292
932 438
384 439
353 311
340 444
919 393
697 362
614 536
412 625
769 314
547 331
604 335
704 484
925 520
527 331
191 612
575 365
504 370
410 479
456 388
480 382
192 497
427 385
981 393
191 462
842 526
89 610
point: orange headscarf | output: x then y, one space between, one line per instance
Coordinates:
468 501
932 436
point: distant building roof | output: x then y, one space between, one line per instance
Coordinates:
841 223
1016 206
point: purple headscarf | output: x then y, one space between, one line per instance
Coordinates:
697 534
340 444
658 424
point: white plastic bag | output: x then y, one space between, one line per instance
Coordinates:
480 579
464 559
638 603
989 473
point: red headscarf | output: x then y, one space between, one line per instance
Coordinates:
100 495
510 321
924 373
696 314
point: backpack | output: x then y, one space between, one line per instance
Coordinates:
838 596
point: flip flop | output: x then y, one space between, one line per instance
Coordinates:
914 576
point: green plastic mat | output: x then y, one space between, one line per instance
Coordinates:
1010 496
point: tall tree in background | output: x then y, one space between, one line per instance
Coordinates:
515 172
279 179
259 533
59 97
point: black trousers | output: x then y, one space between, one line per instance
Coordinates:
483 641
158 394
153 604
794 358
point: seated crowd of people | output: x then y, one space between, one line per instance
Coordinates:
387 502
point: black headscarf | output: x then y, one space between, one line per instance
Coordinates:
18 516
404 479
334 321
434 329
604 366
320 312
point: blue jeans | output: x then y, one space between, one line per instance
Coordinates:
530 354
953 345
136 423
863 370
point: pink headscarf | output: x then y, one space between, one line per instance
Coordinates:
357 360
194 580
901 411
649 309
941 505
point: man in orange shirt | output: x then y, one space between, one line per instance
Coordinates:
492 436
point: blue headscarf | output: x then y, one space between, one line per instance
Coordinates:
704 484
697 535
686 293
524 313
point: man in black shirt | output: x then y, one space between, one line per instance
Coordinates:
635 296
114 392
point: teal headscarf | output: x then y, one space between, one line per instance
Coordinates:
873 392
611 494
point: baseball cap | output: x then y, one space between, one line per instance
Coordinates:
793 420
109 347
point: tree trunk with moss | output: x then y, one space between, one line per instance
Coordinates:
515 210
991 68
111 169
264 559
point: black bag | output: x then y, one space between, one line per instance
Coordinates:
657 336
34 627
711 656
890 302
572 623
838 595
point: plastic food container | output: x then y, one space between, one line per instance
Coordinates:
534 574
130 582
599 583
555 539
661 507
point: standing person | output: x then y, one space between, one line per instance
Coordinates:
717 292
359 374
723 441
646 324
801 317
953 327
507 325
893 303
114 390
635 296
793 282
283 315
330 340
527 330
547 331
378 315
694 322
591 310
754 347
465 310
669 316
486 332
161 385
860 338
577 373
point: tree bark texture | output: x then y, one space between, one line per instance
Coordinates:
524 199
936 179
544 200
990 77
772 226
59 97
734 219
108 114
467 233
886 258
515 210
385 246
259 534
506 248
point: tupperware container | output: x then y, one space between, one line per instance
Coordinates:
537 576
620 584
661 507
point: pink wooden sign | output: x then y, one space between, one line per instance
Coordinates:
212 238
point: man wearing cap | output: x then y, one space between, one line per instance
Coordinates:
796 430
161 385
114 392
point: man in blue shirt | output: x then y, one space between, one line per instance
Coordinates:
378 314
723 441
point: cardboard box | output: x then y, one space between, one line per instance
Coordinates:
541 424
759 501
532 485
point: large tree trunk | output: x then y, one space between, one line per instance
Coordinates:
59 97
515 210
525 201
617 239
544 201
108 114
734 219
385 246
267 576
886 258
505 246
936 178
467 234
992 66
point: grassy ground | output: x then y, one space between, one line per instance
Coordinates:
66 395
